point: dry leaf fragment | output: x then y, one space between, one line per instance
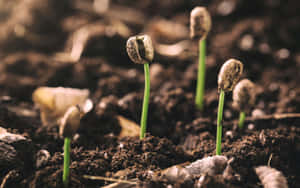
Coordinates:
54 102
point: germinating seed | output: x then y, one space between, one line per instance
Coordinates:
200 21
244 95
70 122
230 74
140 49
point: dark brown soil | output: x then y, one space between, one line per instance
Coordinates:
264 35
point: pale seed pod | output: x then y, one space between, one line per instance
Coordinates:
210 165
140 49
70 122
270 177
244 95
230 74
200 23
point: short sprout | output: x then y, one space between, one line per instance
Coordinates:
200 23
230 74
244 95
140 49
70 122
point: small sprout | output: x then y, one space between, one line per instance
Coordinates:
54 102
243 96
68 127
200 24
229 75
140 51
271 177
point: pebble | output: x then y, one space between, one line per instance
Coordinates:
257 113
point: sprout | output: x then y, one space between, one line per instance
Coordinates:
68 127
140 51
229 75
243 98
200 24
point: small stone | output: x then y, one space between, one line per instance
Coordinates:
251 126
247 42
283 53
258 113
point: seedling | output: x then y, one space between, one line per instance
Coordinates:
243 98
229 75
68 127
140 51
200 24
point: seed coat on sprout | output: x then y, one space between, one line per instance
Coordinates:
244 97
140 49
200 23
229 74
70 122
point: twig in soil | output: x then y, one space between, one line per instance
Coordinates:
270 159
200 24
282 116
7 176
140 51
229 75
69 125
243 98
108 179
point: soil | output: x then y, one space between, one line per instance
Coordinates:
262 34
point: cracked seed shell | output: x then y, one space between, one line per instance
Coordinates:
229 74
140 49
200 23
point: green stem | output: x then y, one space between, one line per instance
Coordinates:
242 119
219 122
66 171
146 101
201 75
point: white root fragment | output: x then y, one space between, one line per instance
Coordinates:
244 95
54 102
209 165
229 75
270 177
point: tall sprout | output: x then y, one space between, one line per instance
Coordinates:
200 25
229 75
140 50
